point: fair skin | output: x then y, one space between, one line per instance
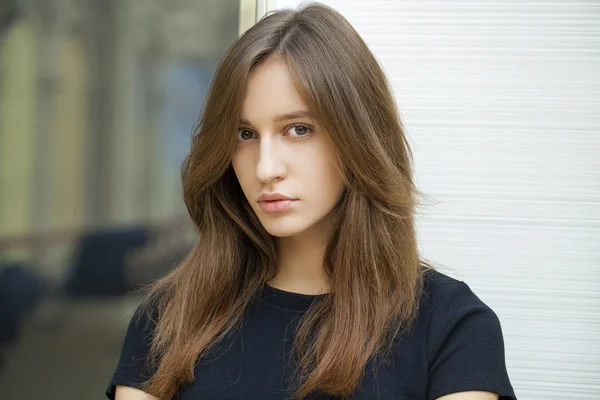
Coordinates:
129 393
294 157
471 395
283 149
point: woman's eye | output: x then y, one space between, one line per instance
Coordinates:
245 134
299 130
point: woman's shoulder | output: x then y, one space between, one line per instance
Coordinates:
133 368
451 309
140 331
450 304
464 340
440 289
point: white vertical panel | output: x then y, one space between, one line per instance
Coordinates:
501 100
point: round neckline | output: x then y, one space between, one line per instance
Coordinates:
288 300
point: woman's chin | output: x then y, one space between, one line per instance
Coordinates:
282 228
282 232
294 225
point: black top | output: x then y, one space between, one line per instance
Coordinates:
455 345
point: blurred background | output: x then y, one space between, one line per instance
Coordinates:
501 103
98 99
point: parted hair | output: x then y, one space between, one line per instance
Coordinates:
371 260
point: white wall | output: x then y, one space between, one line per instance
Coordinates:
501 100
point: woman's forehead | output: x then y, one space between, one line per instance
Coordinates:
272 95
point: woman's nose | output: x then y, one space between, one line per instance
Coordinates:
270 164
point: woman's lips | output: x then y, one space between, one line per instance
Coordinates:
275 206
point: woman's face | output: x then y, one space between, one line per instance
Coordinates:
283 160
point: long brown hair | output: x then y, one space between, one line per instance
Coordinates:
372 262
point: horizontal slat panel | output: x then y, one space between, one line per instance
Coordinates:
501 103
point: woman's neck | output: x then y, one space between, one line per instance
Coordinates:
300 263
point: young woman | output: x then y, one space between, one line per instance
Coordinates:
305 281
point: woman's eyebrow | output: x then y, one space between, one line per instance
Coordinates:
285 117
293 115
